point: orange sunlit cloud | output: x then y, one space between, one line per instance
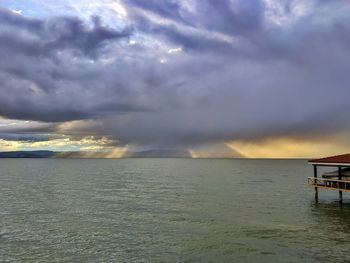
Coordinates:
285 147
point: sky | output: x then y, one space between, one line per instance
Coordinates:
214 78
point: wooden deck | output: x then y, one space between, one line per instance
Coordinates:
330 184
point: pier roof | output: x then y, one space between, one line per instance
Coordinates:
338 160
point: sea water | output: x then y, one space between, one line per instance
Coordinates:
168 210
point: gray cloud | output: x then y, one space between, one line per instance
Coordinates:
24 137
47 70
240 76
40 37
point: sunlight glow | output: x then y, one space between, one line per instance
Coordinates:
116 153
288 148
213 150
19 12
119 9
175 50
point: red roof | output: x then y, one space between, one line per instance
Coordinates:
344 158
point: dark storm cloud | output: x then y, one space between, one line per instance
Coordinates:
47 68
24 137
224 15
226 28
41 37
240 75
246 24
169 9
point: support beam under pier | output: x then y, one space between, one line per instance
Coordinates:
340 192
316 189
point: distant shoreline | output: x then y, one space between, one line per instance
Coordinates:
42 154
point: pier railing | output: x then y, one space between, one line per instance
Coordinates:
332 184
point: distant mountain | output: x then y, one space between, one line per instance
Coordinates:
159 154
28 154
84 154
154 153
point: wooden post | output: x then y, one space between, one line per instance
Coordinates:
340 192
316 189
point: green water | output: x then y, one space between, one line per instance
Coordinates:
167 210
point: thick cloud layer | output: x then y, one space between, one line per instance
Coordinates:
181 73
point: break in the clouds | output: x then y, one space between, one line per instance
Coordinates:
174 74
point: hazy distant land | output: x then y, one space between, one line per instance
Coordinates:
82 154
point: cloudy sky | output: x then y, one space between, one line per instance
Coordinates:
257 78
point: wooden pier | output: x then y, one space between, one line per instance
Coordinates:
338 180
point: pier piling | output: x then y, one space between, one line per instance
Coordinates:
340 192
316 189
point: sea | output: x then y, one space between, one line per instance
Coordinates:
168 210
